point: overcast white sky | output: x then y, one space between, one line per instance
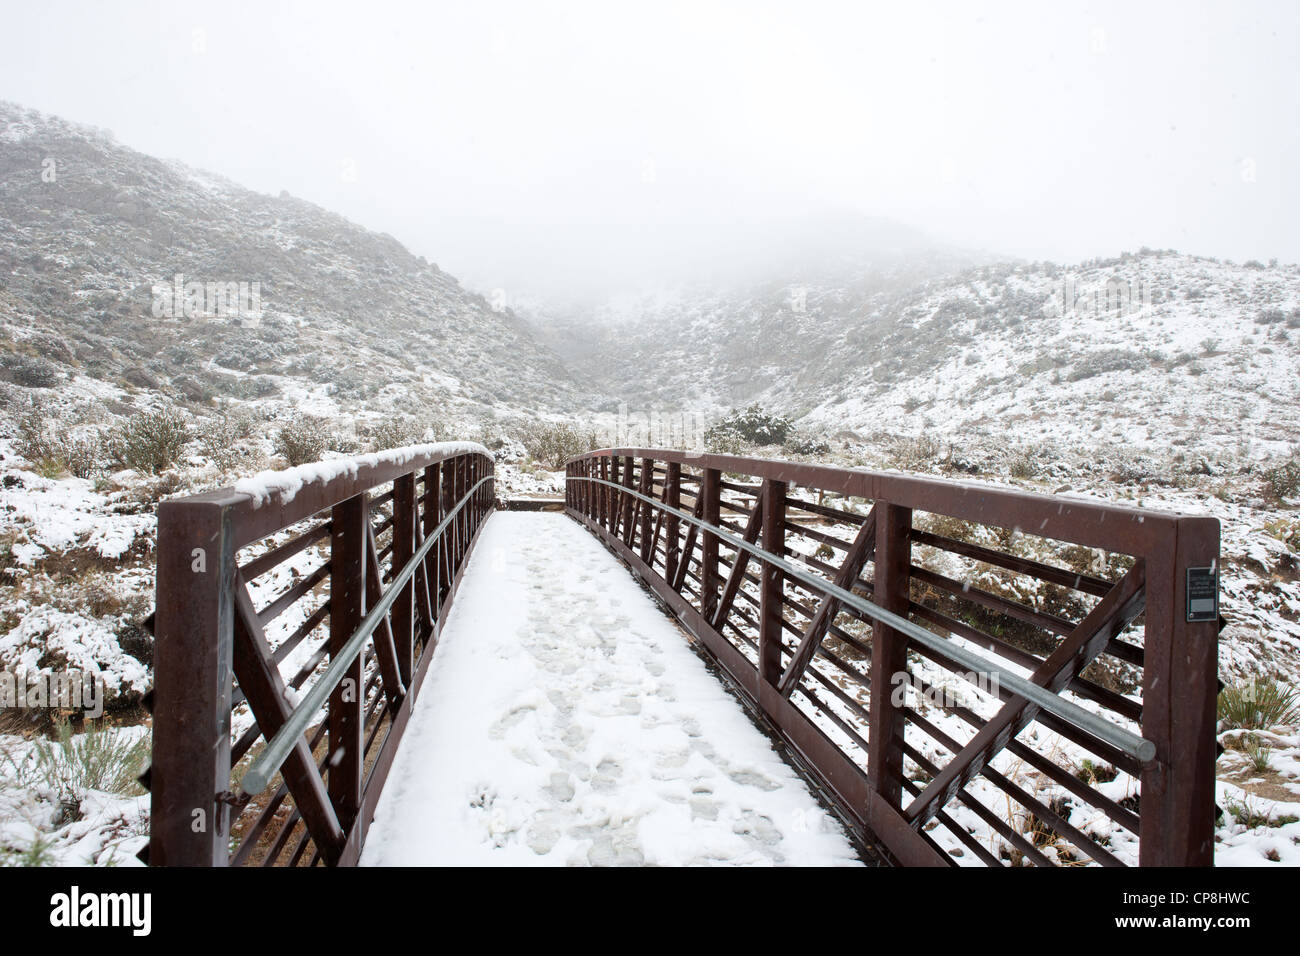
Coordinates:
519 144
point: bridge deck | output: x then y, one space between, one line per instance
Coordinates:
565 720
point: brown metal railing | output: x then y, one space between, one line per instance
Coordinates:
811 593
221 689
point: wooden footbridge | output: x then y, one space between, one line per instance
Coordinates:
963 673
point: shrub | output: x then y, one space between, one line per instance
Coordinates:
555 443
1260 760
397 433
1107 360
81 455
303 439
39 852
149 441
1257 705
1283 480
71 765
51 450
724 441
914 454
755 426
1021 464
1250 815
220 437
804 443
28 371
36 441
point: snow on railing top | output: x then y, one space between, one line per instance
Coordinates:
287 482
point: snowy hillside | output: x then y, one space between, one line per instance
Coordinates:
1155 351
93 238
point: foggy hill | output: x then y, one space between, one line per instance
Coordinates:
88 228
1156 350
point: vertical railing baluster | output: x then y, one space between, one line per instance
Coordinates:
673 499
711 489
629 478
890 590
448 492
432 515
647 488
608 472
347 608
772 583
615 496
403 614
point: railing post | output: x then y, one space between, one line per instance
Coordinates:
347 607
433 559
673 499
711 489
194 630
772 583
471 511
403 615
446 569
1179 694
647 526
609 470
891 591
466 513
457 524
628 502
615 496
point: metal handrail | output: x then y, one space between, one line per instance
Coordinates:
278 748
1139 748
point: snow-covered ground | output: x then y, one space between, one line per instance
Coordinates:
565 720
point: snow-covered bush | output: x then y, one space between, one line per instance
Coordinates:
806 443
149 441
554 443
221 438
302 439
399 432
44 442
81 454
28 371
1283 479
753 425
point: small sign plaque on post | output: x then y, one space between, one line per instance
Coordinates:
1203 594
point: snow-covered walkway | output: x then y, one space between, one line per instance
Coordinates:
565 720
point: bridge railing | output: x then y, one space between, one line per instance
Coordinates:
320 575
972 674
